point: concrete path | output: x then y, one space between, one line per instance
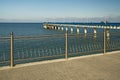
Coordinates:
104 67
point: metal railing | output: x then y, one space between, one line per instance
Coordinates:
23 49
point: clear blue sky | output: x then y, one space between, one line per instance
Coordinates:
57 10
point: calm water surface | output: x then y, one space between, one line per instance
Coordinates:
42 47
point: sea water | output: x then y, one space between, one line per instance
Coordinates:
51 46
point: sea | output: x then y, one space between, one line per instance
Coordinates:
30 50
27 29
24 29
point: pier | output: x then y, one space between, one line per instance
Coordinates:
66 27
73 27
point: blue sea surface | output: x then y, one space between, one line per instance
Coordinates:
28 48
24 29
28 29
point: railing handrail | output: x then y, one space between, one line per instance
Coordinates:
66 37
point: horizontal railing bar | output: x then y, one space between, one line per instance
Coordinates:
4 37
17 37
60 35
4 61
113 48
40 57
87 51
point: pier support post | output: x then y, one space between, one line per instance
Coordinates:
66 29
52 27
78 30
85 30
62 28
108 33
58 28
11 49
95 33
71 30
55 27
66 46
45 26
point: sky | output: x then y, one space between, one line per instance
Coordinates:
59 10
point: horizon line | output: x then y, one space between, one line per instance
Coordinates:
56 22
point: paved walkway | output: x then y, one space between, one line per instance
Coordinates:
104 67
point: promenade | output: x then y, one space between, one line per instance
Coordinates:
102 67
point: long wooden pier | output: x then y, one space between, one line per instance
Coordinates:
65 27
58 26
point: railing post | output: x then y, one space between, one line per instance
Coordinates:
11 49
104 41
66 46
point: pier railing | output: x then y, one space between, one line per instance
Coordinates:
23 49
